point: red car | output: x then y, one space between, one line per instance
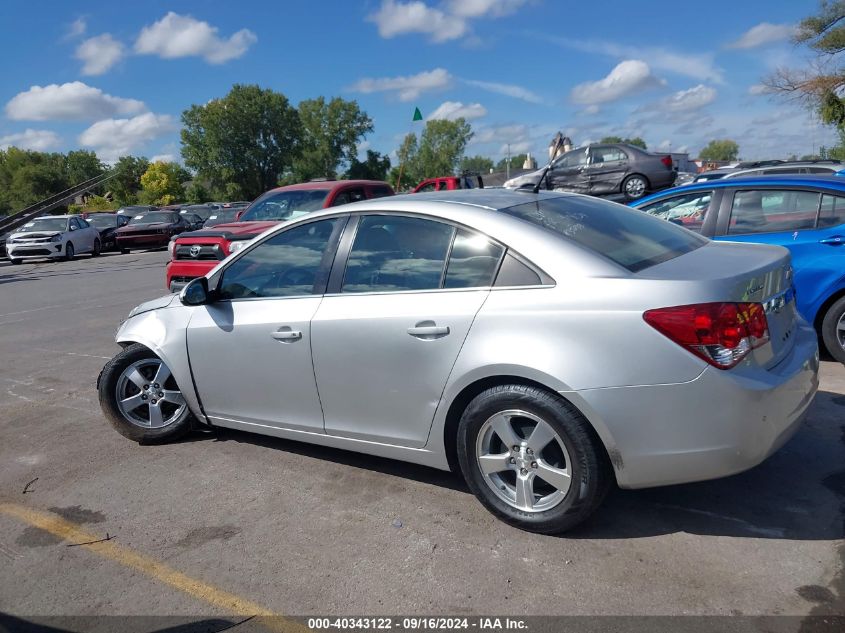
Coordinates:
194 254
467 181
150 230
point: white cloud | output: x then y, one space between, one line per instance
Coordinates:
74 101
700 66
399 18
112 138
407 88
763 33
164 158
628 77
502 134
688 100
510 90
758 89
184 36
591 109
76 29
484 8
39 140
99 54
452 110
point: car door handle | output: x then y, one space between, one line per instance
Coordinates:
287 335
835 240
428 330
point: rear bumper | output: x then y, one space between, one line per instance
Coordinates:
180 272
719 424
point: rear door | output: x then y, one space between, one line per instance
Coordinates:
386 338
608 166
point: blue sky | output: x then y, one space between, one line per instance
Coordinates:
115 77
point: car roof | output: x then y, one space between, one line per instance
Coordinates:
48 217
786 180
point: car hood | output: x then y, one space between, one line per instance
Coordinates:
155 304
39 234
228 229
144 227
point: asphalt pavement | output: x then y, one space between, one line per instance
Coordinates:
227 522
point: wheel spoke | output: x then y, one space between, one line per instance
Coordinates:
137 379
155 416
502 426
174 397
132 403
525 492
841 325
556 477
494 463
540 436
162 374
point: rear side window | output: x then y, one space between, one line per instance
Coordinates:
347 196
687 211
473 261
832 212
772 211
381 192
630 238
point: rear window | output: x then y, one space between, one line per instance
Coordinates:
630 238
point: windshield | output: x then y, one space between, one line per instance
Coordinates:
218 217
45 224
150 218
102 221
203 212
285 205
630 238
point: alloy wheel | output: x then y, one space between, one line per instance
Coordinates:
840 331
147 395
523 460
635 187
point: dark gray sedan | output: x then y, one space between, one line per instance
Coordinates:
604 169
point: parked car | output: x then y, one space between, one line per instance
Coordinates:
150 230
194 221
107 224
771 167
223 216
195 254
450 183
604 169
204 211
54 237
806 214
544 345
135 209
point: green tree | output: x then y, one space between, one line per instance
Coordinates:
196 193
404 175
27 177
721 150
438 153
374 167
330 135
161 184
636 141
126 184
516 162
82 165
243 143
480 164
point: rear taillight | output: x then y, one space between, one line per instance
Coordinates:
667 161
720 333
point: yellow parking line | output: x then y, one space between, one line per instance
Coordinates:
229 603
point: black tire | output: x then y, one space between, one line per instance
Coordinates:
15 262
591 473
69 252
832 337
107 385
97 249
637 192
124 251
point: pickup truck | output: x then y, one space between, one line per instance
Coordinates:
444 183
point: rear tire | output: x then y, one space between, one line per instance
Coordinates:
124 251
138 406
69 252
97 249
634 187
833 330
15 262
544 470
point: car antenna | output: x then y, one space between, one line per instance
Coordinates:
557 144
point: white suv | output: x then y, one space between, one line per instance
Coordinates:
53 236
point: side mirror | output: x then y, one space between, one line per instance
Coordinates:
72 227
195 293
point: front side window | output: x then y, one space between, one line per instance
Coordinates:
832 212
687 211
278 206
394 253
630 238
427 187
772 211
74 224
288 264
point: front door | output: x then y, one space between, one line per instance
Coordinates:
569 172
250 350
384 345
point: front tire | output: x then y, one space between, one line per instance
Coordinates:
532 459
833 330
634 187
69 252
140 397
124 251
14 261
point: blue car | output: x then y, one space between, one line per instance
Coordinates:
806 214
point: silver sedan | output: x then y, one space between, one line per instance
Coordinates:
547 346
